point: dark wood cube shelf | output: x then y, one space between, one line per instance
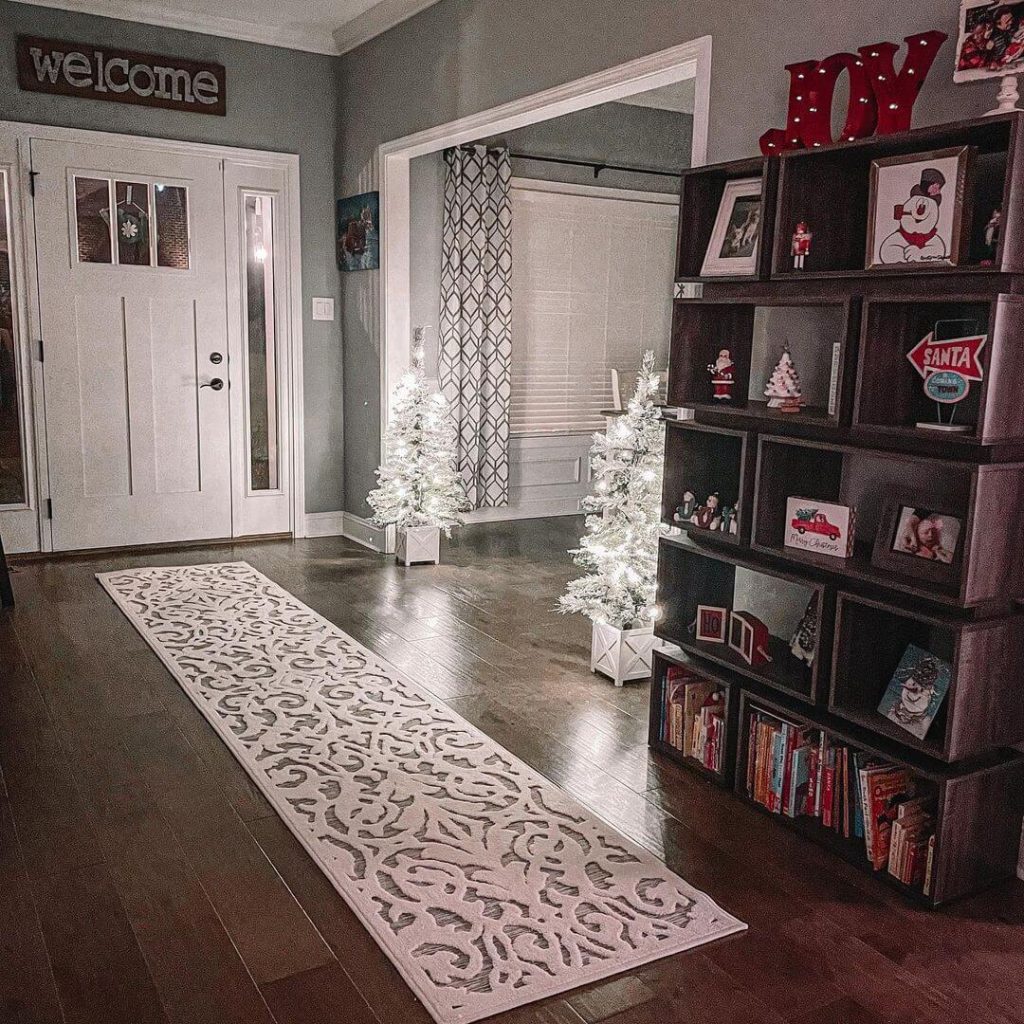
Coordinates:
705 460
689 576
828 189
701 190
865 438
979 805
983 709
821 335
661 662
988 565
890 401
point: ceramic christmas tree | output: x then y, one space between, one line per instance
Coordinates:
620 550
420 492
783 387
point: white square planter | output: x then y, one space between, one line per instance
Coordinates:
622 654
419 544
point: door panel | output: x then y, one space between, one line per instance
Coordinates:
139 449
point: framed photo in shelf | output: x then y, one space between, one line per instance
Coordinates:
736 236
916 691
821 527
920 538
917 209
712 623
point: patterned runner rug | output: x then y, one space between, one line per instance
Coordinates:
486 885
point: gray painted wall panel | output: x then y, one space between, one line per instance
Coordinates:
278 100
463 56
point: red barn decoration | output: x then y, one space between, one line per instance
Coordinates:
880 98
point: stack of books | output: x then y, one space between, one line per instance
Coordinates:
801 771
693 718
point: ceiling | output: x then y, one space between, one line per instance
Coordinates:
317 26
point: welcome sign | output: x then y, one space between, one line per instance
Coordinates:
120 76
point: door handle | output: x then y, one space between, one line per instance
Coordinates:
217 384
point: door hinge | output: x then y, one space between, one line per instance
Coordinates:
32 175
42 355
49 508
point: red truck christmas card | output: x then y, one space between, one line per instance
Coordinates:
821 527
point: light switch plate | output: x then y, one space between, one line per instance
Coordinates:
323 309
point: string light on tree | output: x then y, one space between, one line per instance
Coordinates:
418 484
619 552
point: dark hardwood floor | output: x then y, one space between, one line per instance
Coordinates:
144 879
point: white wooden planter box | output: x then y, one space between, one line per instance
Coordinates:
419 544
622 654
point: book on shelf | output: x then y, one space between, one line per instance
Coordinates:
693 717
801 771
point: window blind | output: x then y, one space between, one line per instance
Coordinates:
591 290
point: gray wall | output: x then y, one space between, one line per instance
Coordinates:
614 133
278 100
462 56
426 198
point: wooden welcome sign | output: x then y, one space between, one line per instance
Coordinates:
881 99
120 76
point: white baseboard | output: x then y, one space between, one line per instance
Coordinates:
347 525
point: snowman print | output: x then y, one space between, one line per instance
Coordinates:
917 238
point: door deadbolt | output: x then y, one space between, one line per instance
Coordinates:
216 358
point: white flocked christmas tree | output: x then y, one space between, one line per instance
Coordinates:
418 484
619 552
783 387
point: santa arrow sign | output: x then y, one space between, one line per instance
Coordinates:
957 354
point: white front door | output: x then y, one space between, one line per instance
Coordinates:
133 312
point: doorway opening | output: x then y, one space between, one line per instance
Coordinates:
594 207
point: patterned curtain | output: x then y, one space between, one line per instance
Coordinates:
476 316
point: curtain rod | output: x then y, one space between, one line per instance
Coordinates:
597 167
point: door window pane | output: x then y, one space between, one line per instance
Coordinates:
12 467
171 202
261 342
132 226
92 217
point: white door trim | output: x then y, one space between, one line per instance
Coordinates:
25 270
666 67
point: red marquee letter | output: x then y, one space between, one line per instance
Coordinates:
897 93
775 140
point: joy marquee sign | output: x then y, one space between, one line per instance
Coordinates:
881 99
120 76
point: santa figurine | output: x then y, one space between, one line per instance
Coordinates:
707 516
721 371
801 245
917 238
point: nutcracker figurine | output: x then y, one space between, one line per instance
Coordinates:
721 371
801 245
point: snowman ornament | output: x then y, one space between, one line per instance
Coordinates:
917 238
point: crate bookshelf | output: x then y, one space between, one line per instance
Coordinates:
978 803
662 661
862 439
989 564
707 460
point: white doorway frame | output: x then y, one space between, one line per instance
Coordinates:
666 67
34 417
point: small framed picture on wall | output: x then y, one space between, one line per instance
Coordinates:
736 236
919 538
916 210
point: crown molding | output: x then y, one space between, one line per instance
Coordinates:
167 16
377 20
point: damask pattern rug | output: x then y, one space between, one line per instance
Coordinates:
486 885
